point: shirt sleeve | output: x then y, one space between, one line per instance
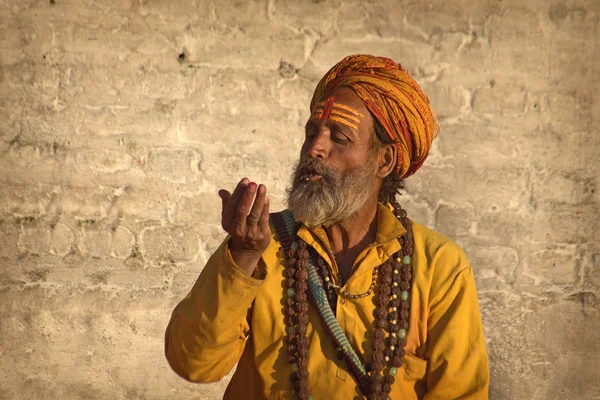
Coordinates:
457 358
207 332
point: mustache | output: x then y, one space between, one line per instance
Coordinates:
312 166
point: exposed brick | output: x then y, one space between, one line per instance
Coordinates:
247 14
138 205
95 241
81 33
455 221
174 9
9 125
61 240
236 92
178 166
359 19
573 109
571 189
102 85
202 127
12 32
535 323
197 208
10 237
493 266
296 94
569 153
169 244
101 121
300 15
448 100
572 55
25 201
133 280
477 144
84 203
486 187
567 224
557 265
41 158
591 269
233 48
44 81
532 56
34 238
104 161
505 228
432 19
500 101
122 242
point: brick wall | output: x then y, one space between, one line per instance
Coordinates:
120 120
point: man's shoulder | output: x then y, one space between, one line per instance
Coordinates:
434 240
437 251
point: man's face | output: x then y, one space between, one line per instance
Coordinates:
337 170
339 131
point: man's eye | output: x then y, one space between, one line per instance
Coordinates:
339 138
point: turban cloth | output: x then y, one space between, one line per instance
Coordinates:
393 98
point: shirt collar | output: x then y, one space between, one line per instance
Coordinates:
388 228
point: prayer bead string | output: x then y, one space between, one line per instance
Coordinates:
391 283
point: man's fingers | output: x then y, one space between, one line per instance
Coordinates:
259 202
246 214
232 205
244 205
264 217
239 189
225 196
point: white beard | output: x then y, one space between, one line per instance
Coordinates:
333 199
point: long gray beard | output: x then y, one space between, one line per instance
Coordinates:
335 198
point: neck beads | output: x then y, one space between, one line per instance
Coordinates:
391 283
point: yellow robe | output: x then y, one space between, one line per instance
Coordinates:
229 317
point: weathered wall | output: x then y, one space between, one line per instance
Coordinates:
120 120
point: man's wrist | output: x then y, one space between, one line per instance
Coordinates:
245 260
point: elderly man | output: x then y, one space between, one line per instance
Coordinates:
341 296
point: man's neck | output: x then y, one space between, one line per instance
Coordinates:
356 233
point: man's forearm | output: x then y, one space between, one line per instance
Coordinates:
206 335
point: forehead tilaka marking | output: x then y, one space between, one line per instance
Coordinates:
327 109
319 112
346 115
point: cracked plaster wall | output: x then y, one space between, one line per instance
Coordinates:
120 120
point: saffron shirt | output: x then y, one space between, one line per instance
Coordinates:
230 317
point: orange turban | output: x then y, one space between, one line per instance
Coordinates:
394 99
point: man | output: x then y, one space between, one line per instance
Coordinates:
343 297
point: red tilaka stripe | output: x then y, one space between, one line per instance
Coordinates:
327 109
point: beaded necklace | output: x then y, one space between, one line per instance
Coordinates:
391 282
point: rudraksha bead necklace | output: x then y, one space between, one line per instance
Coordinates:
391 283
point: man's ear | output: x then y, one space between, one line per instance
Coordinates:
387 160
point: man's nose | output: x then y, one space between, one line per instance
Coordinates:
318 146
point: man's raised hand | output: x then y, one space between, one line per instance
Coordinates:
247 223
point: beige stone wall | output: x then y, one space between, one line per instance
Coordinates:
120 120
